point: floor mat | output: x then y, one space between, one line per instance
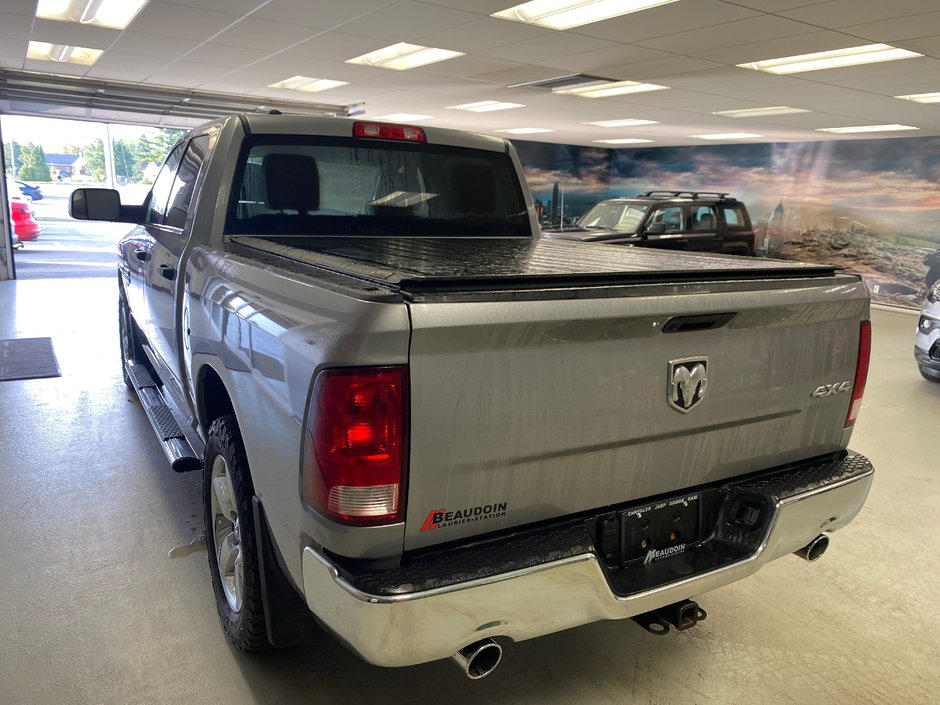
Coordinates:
27 358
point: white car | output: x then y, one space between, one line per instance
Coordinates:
927 338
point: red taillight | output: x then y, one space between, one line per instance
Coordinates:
380 130
861 372
354 455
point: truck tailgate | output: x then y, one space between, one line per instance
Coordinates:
527 409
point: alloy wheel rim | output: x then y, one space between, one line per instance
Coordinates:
226 530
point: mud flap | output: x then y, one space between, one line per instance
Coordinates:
288 620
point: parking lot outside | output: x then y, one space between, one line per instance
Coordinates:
67 247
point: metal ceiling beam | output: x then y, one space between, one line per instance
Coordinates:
73 91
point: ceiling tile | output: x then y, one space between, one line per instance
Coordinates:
323 15
131 62
181 22
267 36
215 54
152 45
614 62
546 47
467 67
738 53
923 45
118 73
776 5
20 7
485 33
335 46
14 27
54 67
239 7
893 30
406 21
842 13
483 7
12 62
73 34
754 29
666 67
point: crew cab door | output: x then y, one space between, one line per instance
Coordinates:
165 268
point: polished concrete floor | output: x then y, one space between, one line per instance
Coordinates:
105 596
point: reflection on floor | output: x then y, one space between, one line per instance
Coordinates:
106 596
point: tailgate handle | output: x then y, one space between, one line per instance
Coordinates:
687 324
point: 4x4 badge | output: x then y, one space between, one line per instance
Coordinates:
688 382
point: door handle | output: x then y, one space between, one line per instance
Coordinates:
142 255
168 271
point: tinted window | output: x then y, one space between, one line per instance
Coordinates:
161 187
671 216
181 194
611 215
704 218
367 187
734 217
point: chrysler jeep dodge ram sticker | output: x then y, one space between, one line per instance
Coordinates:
442 519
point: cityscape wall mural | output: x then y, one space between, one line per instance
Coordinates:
871 206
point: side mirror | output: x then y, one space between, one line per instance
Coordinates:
95 204
655 228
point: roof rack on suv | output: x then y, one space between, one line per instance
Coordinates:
682 194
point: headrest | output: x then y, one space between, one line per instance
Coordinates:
292 182
475 186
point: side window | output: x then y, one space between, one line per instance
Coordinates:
671 216
161 187
734 217
704 218
181 194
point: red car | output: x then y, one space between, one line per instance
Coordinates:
24 224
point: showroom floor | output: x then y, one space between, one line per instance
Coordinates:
105 596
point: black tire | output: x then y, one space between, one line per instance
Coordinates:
239 601
930 377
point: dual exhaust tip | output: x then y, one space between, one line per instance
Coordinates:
479 659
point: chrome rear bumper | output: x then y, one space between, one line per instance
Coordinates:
413 628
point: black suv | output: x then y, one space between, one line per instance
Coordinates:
674 220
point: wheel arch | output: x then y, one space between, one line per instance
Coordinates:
212 397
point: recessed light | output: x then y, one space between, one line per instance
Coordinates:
728 136
307 84
603 90
760 112
485 106
402 56
564 14
623 140
838 58
625 122
866 128
63 53
921 97
526 130
404 117
116 14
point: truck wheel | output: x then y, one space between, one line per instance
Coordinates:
928 375
230 536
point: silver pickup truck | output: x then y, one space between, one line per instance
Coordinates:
436 432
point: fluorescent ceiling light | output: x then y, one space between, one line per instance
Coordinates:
625 122
921 97
564 14
760 112
852 56
485 106
603 90
866 128
404 117
404 56
116 14
307 84
623 140
728 136
526 130
63 53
